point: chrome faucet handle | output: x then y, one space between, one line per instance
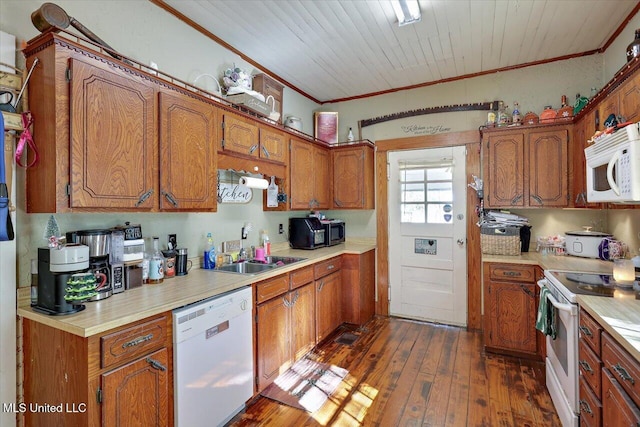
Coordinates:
242 255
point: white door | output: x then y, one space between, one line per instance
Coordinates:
427 235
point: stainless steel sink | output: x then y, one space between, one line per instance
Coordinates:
246 268
257 267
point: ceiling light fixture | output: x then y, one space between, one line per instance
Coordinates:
407 11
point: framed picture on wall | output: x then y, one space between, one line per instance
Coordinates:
326 126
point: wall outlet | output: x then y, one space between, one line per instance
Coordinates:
280 229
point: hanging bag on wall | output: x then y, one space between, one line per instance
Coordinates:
6 228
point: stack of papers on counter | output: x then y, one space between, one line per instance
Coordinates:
501 219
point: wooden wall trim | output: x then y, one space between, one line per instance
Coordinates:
474 258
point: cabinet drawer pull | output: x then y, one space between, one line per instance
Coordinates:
137 341
512 273
584 407
585 331
624 375
585 365
331 267
156 365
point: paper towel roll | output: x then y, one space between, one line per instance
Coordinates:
250 182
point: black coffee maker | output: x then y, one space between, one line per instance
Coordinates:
55 268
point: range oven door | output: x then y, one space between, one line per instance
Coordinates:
562 359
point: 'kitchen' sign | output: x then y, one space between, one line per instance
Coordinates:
234 193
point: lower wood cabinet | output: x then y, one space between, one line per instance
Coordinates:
510 309
358 287
285 326
328 283
123 377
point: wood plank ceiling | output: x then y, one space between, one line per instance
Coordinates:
332 50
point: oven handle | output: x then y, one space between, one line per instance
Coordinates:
569 308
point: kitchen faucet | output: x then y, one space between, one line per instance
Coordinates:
242 255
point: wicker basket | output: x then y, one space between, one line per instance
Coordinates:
500 240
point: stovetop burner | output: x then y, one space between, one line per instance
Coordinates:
593 284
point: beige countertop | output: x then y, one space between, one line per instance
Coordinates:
620 317
148 300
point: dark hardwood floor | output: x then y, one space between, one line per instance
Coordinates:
405 373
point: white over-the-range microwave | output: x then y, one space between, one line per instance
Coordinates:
613 167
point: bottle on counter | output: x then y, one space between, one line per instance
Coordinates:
515 115
209 255
145 263
266 244
350 136
156 263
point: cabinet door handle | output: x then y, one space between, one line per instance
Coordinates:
321 285
516 199
624 375
337 202
144 198
266 153
295 298
253 148
170 198
537 199
585 365
584 407
527 291
156 365
137 341
585 331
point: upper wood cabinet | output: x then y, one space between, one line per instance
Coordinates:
239 134
188 152
583 130
353 177
310 172
113 140
527 167
273 145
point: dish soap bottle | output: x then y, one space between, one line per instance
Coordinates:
350 137
209 256
272 194
266 244
156 263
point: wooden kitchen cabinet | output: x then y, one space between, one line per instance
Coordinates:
239 134
328 283
188 129
510 305
285 325
590 370
353 177
268 86
526 168
273 145
583 130
358 287
310 173
123 376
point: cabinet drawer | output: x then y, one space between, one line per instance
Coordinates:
590 406
133 341
617 408
590 368
301 277
624 368
590 332
514 272
271 288
323 268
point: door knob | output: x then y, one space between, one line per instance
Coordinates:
460 242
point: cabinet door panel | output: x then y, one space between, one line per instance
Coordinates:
548 163
504 167
348 180
273 145
113 148
302 182
303 324
240 135
322 178
328 305
188 169
273 335
512 316
137 394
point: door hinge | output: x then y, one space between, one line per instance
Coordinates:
257 381
68 189
67 74
255 318
388 172
222 124
99 395
389 293
222 142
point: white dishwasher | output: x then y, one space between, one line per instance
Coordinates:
213 359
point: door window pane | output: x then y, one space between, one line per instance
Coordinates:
426 194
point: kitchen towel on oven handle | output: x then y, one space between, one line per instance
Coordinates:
6 227
546 320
